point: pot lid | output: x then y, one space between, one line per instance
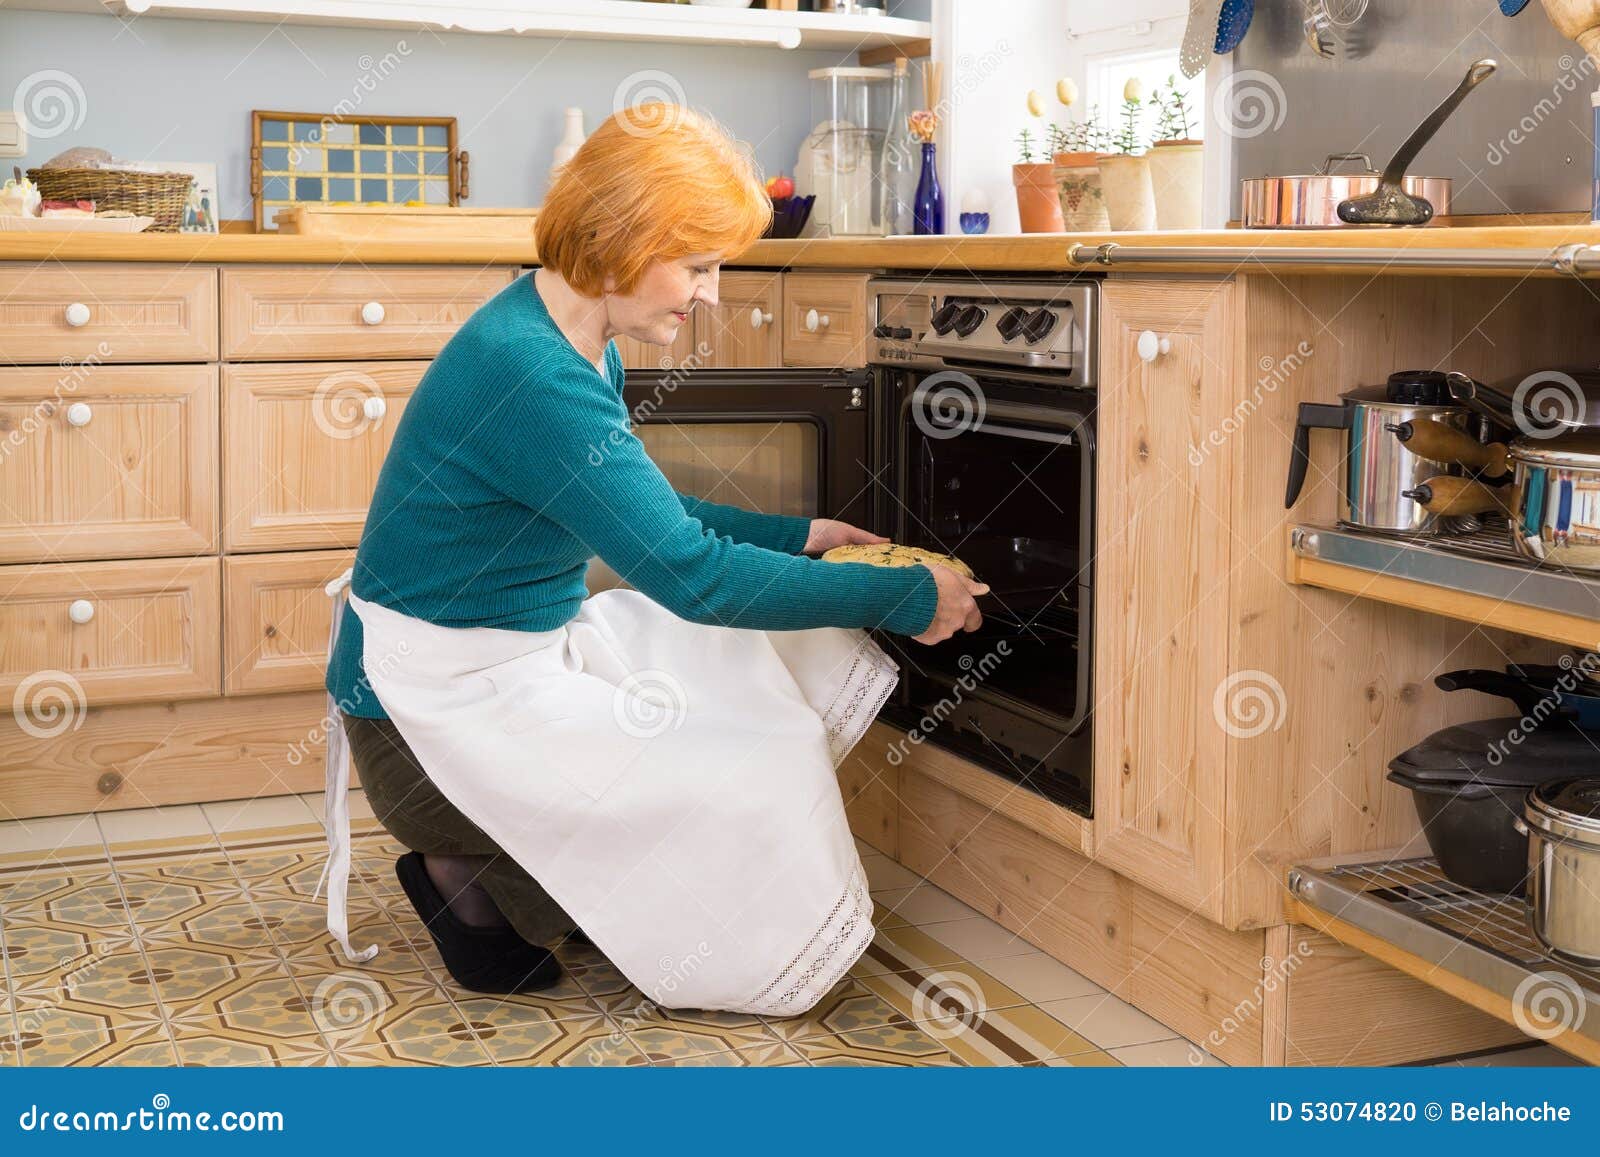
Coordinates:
1578 450
1577 799
1419 388
1498 753
1381 397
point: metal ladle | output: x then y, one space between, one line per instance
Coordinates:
1390 204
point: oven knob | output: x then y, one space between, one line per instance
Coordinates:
882 331
901 333
971 318
944 317
1011 323
1038 326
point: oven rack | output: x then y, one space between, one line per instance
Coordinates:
1477 946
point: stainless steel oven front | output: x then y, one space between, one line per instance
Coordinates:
988 452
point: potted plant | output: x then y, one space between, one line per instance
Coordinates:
1176 160
1125 173
1038 206
1076 150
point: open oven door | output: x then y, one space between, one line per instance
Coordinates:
779 441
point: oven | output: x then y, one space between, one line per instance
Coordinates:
989 455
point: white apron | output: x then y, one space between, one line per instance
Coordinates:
670 785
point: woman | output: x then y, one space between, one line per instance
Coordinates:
660 759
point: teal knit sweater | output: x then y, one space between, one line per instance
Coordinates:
514 464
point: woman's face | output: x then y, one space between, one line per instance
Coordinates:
659 305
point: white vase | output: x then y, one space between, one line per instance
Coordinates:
1130 199
571 140
1176 171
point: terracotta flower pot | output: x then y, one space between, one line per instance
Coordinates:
1083 202
1130 199
1038 205
1176 171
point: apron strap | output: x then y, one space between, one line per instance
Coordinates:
336 801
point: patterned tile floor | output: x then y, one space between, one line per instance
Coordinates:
188 935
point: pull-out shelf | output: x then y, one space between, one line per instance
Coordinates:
1475 946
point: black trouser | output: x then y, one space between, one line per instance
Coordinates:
417 814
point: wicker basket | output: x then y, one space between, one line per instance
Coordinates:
159 195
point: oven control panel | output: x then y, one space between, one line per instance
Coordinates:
933 323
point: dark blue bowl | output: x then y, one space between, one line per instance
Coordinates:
974 222
789 216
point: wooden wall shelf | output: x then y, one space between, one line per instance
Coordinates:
1512 596
580 19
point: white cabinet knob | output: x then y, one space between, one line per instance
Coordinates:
374 408
815 320
1151 346
77 314
758 318
372 313
79 413
81 611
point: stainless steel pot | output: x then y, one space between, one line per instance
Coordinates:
1555 496
1379 465
1562 821
1311 200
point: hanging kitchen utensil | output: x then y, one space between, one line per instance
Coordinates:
1344 13
1379 468
1232 23
1390 204
1319 29
1199 36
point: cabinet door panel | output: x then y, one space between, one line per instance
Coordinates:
1161 643
277 617
743 331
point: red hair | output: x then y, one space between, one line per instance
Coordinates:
654 182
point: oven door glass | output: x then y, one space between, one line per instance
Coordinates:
1010 494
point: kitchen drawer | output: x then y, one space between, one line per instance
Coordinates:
92 633
51 313
743 331
303 444
277 616
107 462
824 319
316 311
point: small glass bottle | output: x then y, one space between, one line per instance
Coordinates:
929 207
897 175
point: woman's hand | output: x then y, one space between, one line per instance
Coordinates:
957 609
827 533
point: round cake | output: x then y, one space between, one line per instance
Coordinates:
893 554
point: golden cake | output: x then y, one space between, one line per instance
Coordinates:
893 554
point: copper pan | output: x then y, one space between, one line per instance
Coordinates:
1311 201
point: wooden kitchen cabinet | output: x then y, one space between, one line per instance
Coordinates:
276 619
56 313
1162 551
744 331
638 355
107 462
825 319
303 443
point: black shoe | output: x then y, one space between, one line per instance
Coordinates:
578 936
482 959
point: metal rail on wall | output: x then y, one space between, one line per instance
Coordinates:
1574 259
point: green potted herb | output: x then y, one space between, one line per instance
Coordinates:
1033 176
1176 160
1125 172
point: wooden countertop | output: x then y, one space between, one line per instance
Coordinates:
1035 253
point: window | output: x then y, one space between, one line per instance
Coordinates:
1109 72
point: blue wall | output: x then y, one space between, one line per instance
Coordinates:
182 90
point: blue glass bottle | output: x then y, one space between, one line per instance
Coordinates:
928 209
